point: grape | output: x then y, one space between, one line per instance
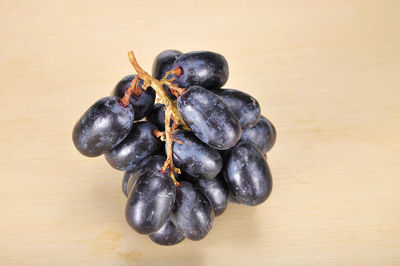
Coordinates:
138 145
150 202
247 175
125 181
194 157
163 63
143 103
102 127
216 191
245 107
262 135
210 119
151 163
192 213
157 116
206 69
167 235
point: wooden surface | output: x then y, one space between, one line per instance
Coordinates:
325 72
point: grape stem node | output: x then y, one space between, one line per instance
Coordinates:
174 88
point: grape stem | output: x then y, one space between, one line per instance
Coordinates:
133 89
174 88
159 134
171 110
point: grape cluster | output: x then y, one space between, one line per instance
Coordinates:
215 148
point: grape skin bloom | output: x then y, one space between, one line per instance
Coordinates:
210 119
102 127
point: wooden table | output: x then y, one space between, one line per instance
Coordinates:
325 72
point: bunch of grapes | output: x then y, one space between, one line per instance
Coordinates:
215 144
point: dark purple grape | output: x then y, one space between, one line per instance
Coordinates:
150 202
192 213
102 127
210 119
247 175
207 69
157 116
262 135
143 103
194 157
167 235
245 107
133 177
163 63
138 145
151 163
216 191
125 181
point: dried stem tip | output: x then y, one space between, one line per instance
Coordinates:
132 88
177 71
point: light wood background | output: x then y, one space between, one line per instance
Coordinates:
327 73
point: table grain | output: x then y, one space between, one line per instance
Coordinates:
327 73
